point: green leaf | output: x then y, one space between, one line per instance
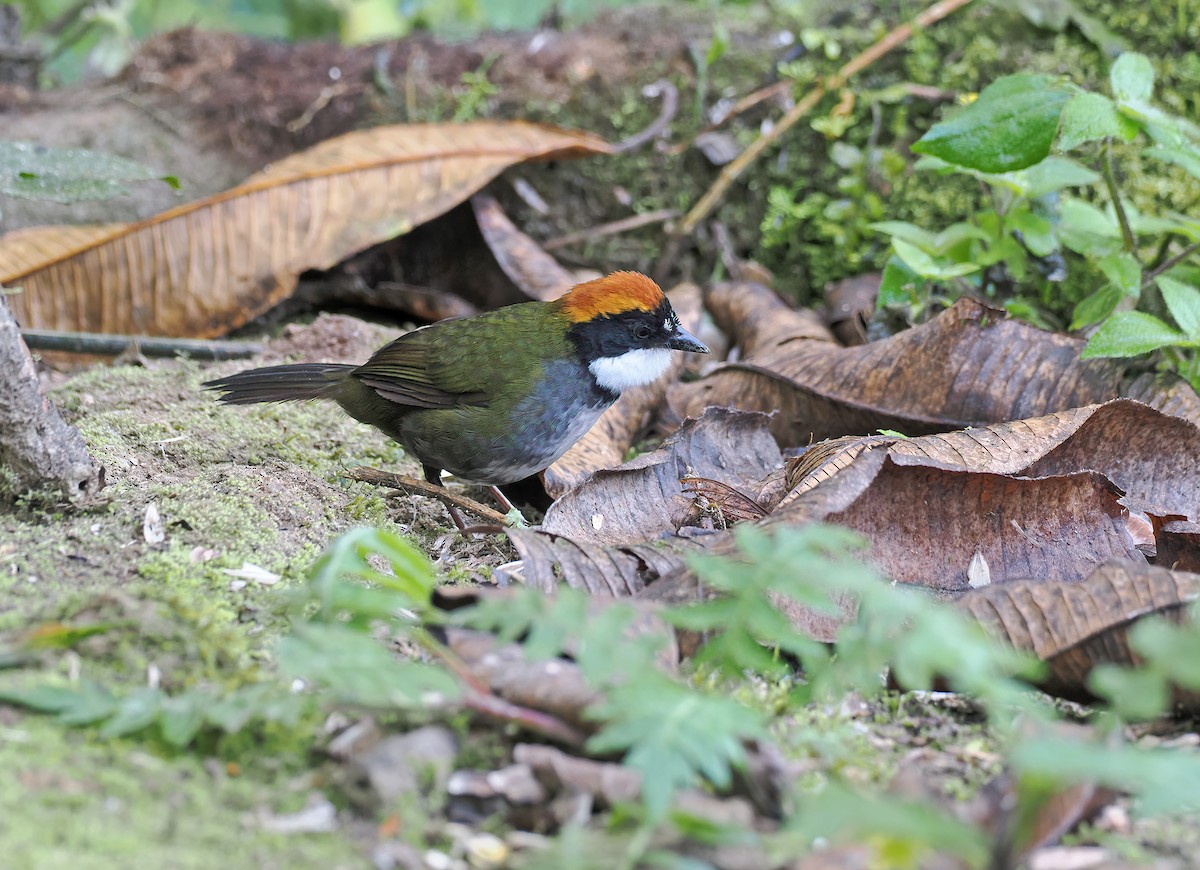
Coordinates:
1096 306
672 735
1162 781
1135 695
1053 173
33 171
358 669
410 584
1185 156
928 267
1132 77
1036 231
1132 333
181 718
898 286
1172 649
1089 117
1183 301
1086 229
1011 126
912 233
134 712
899 832
1124 271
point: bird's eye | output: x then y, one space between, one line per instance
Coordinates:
642 332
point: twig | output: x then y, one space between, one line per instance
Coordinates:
744 104
1170 263
611 228
670 105
323 99
1110 180
412 484
480 697
109 344
730 173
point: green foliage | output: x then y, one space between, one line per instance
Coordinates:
903 834
1009 127
178 720
372 585
1016 139
32 171
101 36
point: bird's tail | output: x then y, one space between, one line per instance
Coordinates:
281 383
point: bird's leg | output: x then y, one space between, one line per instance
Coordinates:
434 476
506 506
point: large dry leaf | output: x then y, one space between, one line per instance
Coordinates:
209 266
968 367
607 442
1152 456
644 498
1075 627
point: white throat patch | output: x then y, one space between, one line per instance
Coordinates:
634 368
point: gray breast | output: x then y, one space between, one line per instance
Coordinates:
565 404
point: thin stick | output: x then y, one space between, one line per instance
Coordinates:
670 105
1110 181
1170 263
412 484
109 344
730 173
611 228
482 699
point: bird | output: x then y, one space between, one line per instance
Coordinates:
499 396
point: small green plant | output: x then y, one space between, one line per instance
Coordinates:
1024 139
476 91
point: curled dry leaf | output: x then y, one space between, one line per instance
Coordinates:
535 272
759 320
607 442
967 367
1074 627
550 560
209 266
1153 457
645 497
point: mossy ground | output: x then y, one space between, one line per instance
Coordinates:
231 485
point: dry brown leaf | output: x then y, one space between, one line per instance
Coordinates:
607 442
926 524
1152 456
1176 544
556 687
550 560
644 498
536 273
1074 627
208 266
968 367
759 320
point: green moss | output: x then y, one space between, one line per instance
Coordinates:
68 800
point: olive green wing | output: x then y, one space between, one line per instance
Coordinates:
471 361
410 371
